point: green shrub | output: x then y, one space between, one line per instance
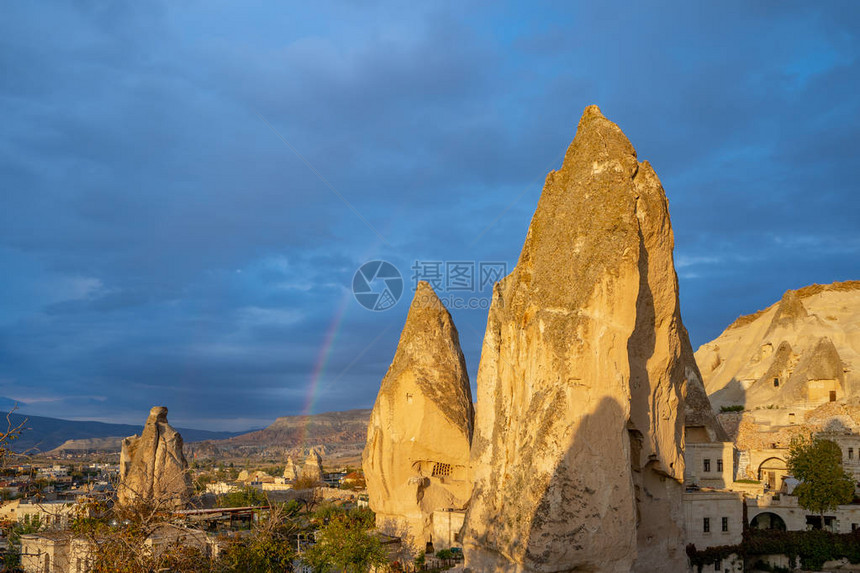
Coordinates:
444 554
246 497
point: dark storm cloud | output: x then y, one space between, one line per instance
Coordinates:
160 244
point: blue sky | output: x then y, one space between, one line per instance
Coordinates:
162 244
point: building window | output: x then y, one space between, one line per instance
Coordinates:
440 469
850 453
720 465
706 525
707 464
717 565
776 382
833 395
725 524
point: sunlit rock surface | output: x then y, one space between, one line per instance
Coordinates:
290 471
152 466
312 468
800 352
577 454
417 454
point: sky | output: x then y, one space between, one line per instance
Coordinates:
187 189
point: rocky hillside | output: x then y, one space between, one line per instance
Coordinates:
333 431
42 434
802 351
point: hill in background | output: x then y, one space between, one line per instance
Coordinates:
43 434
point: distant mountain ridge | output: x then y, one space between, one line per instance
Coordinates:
348 427
43 434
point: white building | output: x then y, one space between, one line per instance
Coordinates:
709 464
715 518
53 514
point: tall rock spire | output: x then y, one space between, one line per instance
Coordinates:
577 455
417 454
152 466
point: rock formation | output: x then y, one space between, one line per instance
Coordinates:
417 453
312 469
152 466
792 370
577 456
290 471
793 354
254 476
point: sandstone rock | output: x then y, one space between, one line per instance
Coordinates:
791 355
577 455
152 466
255 475
417 453
290 471
312 469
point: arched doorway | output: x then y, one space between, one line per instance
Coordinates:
768 520
771 471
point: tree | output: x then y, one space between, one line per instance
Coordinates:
306 482
139 537
12 432
269 547
245 497
817 464
346 544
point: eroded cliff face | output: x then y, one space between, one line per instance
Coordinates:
577 456
417 453
797 354
152 466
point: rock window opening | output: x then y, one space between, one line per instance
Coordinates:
833 395
776 382
408 398
441 470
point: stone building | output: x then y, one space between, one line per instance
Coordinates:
447 524
62 552
51 514
709 464
782 512
55 552
715 518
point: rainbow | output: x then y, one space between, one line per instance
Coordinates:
320 366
